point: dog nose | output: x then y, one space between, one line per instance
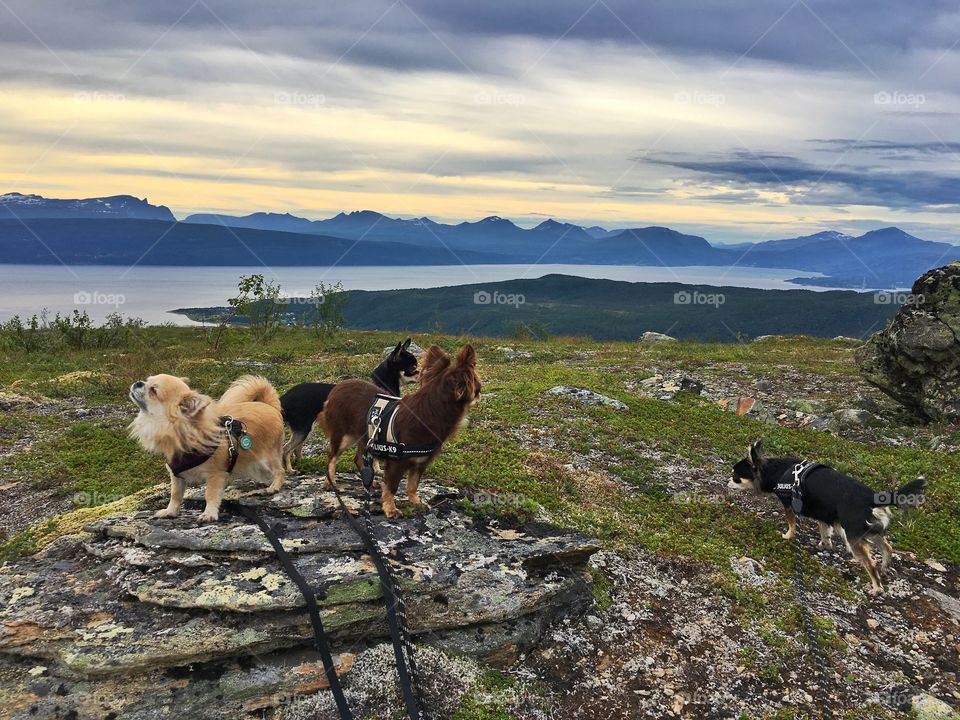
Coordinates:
138 385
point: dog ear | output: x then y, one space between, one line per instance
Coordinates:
193 404
467 356
462 386
406 343
396 350
186 381
435 361
755 453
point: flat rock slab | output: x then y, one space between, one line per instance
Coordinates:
140 596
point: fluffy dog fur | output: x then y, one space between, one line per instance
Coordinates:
303 404
836 501
175 420
430 415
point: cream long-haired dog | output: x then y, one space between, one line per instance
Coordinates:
185 427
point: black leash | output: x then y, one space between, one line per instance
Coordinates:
407 672
319 636
813 638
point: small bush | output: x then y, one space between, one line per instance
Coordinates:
75 331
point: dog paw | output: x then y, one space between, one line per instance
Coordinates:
391 512
874 591
787 535
273 488
209 516
824 545
166 513
415 500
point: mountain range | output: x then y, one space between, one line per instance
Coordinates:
16 205
123 229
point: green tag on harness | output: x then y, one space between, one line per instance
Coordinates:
246 442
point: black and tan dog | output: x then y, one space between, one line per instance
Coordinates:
836 501
303 404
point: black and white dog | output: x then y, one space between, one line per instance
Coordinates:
303 404
836 501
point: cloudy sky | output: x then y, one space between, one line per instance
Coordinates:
736 119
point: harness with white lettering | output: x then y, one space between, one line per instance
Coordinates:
792 484
382 439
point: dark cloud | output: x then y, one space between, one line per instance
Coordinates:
810 184
858 34
800 58
892 148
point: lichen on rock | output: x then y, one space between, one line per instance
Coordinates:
144 614
916 358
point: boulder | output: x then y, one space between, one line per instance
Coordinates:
848 418
142 618
513 354
649 338
413 349
691 385
586 397
927 707
916 358
806 406
747 406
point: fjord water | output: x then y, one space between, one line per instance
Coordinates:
151 292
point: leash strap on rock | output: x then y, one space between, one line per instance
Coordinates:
319 636
392 600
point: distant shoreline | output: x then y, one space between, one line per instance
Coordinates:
603 310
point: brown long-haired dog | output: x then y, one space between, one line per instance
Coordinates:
175 422
429 416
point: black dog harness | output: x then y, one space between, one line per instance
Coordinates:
792 484
383 441
237 439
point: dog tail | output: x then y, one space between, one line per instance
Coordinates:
879 520
252 388
910 495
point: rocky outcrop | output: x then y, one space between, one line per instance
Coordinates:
586 397
650 337
916 358
143 618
